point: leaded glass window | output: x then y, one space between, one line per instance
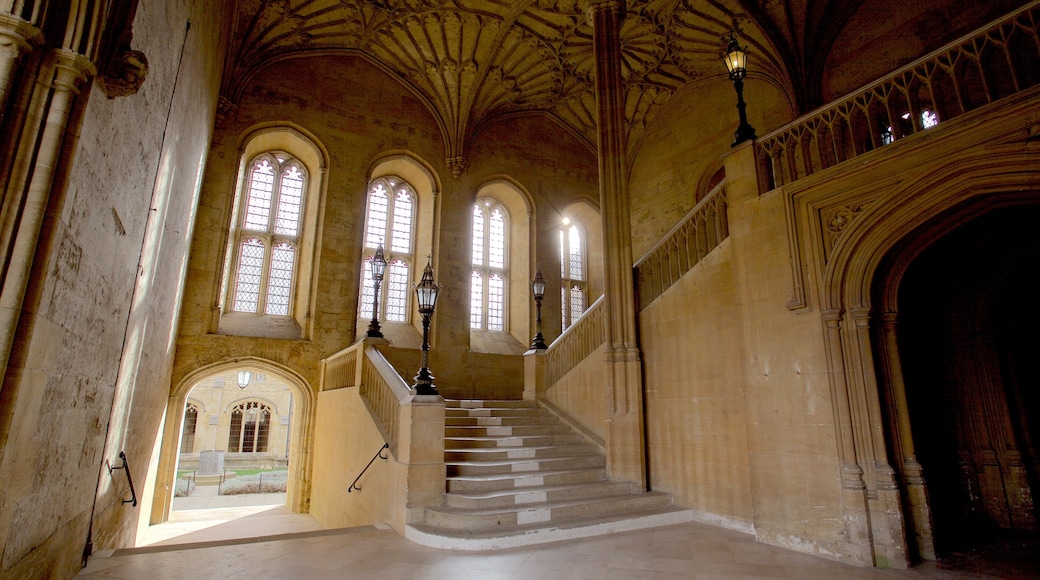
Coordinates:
390 222
265 260
574 287
250 428
490 266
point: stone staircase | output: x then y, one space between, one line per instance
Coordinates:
517 476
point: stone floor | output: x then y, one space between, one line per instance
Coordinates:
206 497
214 544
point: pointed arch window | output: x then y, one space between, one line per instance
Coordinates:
390 222
191 421
575 287
490 266
250 428
268 235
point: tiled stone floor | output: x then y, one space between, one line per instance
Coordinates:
303 551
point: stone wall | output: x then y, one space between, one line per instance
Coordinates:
91 365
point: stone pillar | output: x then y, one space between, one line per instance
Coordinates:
920 516
626 446
17 37
534 374
420 456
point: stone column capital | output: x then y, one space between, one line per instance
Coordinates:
18 36
594 7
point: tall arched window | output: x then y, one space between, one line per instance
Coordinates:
191 420
267 236
250 428
390 217
490 266
574 287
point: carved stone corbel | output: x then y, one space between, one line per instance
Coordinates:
124 74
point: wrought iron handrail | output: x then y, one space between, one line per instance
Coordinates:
125 467
948 82
575 343
378 455
700 231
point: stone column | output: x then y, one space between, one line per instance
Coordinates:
17 37
920 516
626 446
67 72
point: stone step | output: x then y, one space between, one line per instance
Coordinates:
513 441
539 533
504 481
524 465
505 431
463 421
521 497
481 403
495 412
544 513
500 453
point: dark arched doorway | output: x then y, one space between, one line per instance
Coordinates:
969 345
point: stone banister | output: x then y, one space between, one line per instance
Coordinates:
984 66
575 343
700 231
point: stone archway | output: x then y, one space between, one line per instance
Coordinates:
884 488
299 479
956 346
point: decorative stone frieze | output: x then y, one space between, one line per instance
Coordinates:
125 74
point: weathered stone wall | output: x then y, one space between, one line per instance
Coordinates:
94 348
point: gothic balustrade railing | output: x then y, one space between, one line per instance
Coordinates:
575 343
980 68
340 370
700 231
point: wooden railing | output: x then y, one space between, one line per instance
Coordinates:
576 343
697 234
994 62
381 387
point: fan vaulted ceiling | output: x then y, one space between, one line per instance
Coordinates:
474 61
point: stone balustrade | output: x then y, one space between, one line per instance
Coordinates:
980 68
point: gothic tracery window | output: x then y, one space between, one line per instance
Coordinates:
191 418
250 428
574 281
267 236
490 266
390 221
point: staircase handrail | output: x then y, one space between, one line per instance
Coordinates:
340 370
699 232
575 343
945 81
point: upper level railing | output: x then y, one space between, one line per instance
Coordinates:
991 63
575 343
697 234
380 386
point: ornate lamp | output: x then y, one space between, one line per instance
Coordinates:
538 289
244 378
378 265
736 63
426 295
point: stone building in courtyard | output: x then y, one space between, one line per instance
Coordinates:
820 333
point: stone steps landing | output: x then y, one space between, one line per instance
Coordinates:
517 476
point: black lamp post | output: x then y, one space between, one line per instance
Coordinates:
378 265
538 289
736 62
426 294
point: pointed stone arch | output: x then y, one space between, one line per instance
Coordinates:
299 480
884 492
